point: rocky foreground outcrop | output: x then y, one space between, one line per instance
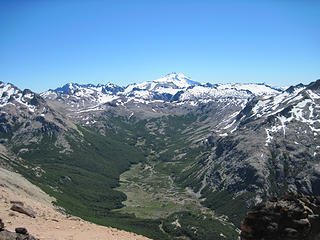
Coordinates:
294 217
19 234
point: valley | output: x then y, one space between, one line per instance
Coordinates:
168 159
151 194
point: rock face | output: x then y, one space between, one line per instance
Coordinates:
290 217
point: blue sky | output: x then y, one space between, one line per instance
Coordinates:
47 43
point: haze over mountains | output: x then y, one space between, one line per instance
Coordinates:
223 147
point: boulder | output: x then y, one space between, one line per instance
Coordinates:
21 230
22 209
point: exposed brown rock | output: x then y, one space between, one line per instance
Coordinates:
12 214
1 225
22 209
21 230
17 202
291 217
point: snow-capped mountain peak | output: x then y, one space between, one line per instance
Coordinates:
170 83
255 88
178 79
296 109
84 90
174 88
10 94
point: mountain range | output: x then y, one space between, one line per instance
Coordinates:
111 154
